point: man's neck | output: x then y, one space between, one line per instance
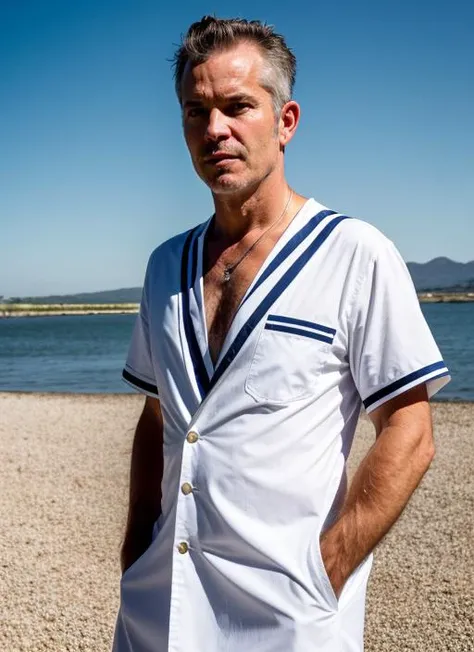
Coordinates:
235 216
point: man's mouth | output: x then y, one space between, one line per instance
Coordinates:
220 156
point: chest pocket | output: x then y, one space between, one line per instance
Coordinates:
290 355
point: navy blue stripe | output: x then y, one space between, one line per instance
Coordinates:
126 375
272 296
199 367
289 247
406 380
301 322
192 279
184 261
299 331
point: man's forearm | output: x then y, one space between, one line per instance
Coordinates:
380 489
145 485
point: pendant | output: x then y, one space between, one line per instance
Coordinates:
227 274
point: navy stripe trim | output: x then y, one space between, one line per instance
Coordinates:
301 322
194 262
272 296
289 247
298 331
406 380
148 387
199 367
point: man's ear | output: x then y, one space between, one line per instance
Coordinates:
288 122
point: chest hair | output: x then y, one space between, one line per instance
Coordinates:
222 299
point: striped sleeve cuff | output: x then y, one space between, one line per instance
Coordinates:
141 385
434 375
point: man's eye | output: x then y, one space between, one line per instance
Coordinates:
238 107
195 112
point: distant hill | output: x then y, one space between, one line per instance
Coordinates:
442 274
124 295
437 274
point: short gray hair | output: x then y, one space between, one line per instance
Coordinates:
210 35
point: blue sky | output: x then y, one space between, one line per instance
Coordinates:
94 172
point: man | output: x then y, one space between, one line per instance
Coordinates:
260 335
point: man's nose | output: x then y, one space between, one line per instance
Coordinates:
217 127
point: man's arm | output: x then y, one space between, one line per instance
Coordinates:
145 483
383 483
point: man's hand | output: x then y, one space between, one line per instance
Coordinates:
382 485
145 483
335 559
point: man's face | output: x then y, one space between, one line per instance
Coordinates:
229 122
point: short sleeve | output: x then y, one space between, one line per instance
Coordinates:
391 348
138 371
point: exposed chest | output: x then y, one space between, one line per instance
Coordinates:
222 298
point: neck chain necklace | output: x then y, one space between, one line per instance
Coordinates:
230 268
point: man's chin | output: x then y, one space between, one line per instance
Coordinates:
225 184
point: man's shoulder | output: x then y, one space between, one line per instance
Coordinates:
170 251
358 235
354 232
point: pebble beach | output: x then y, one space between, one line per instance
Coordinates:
63 498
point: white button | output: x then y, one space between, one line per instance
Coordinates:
192 437
183 548
186 488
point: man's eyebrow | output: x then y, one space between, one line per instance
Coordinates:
240 97
191 103
225 99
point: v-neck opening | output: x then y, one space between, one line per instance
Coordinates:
293 227
194 307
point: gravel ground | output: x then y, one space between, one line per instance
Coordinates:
64 462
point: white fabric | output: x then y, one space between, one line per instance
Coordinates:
331 320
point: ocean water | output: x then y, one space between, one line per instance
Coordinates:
86 353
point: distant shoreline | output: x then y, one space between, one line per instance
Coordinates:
67 309
446 297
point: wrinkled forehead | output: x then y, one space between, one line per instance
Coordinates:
227 72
